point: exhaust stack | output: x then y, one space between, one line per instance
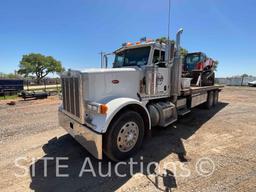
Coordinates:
176 70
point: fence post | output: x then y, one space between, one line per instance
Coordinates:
44 86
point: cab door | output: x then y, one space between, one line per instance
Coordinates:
163 73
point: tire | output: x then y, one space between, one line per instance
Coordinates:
216 98
124 137
209 102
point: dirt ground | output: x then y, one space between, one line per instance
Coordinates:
224 138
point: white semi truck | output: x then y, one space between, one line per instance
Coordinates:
110 110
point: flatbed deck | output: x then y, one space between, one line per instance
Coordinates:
195 90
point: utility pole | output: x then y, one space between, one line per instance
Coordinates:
102 58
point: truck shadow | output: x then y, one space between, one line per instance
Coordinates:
164 141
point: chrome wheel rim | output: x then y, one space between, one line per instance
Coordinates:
127 136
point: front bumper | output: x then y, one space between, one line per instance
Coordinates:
89 139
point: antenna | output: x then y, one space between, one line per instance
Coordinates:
169 20
168 37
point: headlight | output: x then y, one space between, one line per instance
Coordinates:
89 107
98 108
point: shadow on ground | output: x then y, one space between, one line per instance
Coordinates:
164 141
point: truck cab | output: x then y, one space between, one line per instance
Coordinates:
148 57
111 110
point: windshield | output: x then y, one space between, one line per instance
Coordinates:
192 59
132 57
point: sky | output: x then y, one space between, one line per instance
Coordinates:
74 32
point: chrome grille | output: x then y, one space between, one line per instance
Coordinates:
70 94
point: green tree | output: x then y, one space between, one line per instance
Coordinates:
163 40
216 65
39 65
11 76
183 51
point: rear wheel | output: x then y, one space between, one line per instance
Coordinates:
216 98
124 137
210 98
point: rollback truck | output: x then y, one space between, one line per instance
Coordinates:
111 110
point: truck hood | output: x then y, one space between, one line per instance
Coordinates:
99 84
109 70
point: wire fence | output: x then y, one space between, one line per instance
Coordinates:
235 81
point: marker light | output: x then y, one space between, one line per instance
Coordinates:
103 109
129 44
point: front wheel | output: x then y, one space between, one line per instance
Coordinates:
124 137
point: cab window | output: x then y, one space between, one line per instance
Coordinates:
132 57
157 59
